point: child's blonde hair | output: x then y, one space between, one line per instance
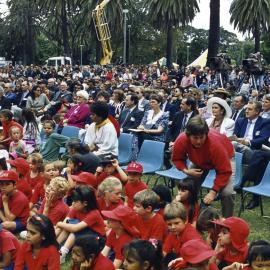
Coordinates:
108 185
14 128
175 210
147 198
61 185
37 159
59 165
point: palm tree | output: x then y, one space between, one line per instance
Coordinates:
168 14
214 29
251 16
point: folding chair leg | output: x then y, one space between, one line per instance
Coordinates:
261 205
156 181
242 204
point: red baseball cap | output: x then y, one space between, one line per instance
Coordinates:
196 251
85 178
134 167
126 216
21 165
9 176
239 231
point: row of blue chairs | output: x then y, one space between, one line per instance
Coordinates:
151 156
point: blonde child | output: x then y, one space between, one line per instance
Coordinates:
17 147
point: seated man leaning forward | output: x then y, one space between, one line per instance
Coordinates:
207 150
101 135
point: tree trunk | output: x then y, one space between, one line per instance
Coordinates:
257 37
64 26
214 29
169 45
30 38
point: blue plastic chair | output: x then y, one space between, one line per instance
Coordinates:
263 189
125 148
209 180
70 131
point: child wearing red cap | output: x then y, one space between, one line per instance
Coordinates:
53 205
84 178
13 203
8 249
110 167
22 168
134 184
109 194
232 244
195 253
121 221
180 229
150 224
86 254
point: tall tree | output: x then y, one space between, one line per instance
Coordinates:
169 14
214 29
251 16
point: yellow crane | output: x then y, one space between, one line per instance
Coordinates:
103 31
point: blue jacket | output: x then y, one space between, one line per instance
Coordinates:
261 132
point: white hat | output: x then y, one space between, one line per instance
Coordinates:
83 93
222 103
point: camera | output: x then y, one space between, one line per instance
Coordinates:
254 64
221 62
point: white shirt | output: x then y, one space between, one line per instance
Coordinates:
105 138
249 135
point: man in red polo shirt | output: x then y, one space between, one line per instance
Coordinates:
207 150
14 205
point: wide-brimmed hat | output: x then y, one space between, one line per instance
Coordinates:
222 91
222 103
239 231
196 251
85 178
21 165
126 216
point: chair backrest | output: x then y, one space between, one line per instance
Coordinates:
125 147
265 180
152 152
70 131
238 168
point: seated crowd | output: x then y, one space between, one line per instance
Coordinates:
82 209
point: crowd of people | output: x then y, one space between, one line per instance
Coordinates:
82 209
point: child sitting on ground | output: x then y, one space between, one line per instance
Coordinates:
121 221
232 245
109 194
150 224
180 230
83 218
86 254
36 169
134 184
53 205
9 248
14 204
17 147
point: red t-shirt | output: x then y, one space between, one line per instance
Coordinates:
24 187
32 181
57 212
173 243
47 258
228 258
18 205
154 228
101 176
9 243
131 189
102 206
38 193
215 153
93 219
117 244
102 263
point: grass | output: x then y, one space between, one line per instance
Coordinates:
259 226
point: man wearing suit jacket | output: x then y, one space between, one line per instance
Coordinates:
188 110
131 116
239 103
251 132
23 95
166 106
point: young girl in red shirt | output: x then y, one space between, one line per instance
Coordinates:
40 250
83 218
86 254
188 196
36 169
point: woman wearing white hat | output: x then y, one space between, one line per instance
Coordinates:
221 113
